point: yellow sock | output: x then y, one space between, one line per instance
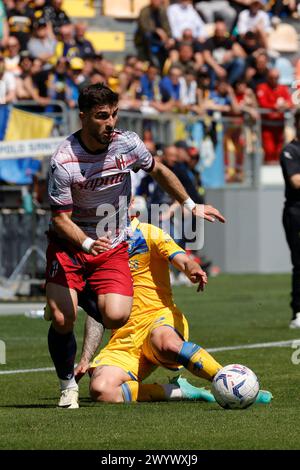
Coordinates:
137 391
198 361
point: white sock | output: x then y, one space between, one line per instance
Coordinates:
172 392
69 383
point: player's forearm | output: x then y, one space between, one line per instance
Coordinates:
183 263
169 182
93 333
66 229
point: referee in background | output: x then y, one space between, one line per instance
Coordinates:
290 164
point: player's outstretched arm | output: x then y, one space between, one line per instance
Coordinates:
171 184
93 333
191 269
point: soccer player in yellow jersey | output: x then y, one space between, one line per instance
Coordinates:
156 333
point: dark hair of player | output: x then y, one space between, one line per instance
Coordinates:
96 95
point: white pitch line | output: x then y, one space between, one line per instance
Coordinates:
275 344
25 371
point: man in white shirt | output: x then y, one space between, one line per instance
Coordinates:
183 15
7 84
255 19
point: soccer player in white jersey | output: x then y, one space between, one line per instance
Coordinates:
90 170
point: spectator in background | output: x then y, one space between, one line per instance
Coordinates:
184 57
108 70
3 25
259 72
223 55
153 35
150 84
283 7
130 84
277 98
54 14
125 77
61 86
222 98
188 90
75 72
235 131
66 46
187 38
184 169
169 87
7 84
42 43
203 83
251 47
256 20
182 15
20 20
12 56
246 99
85 47
25 89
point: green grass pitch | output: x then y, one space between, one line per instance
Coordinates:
234 310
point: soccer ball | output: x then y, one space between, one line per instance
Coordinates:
235 387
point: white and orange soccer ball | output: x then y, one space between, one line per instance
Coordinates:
235 387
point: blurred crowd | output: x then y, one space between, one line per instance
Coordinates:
203 58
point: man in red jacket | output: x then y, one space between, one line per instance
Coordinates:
277 98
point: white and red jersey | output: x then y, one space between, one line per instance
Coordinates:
86 183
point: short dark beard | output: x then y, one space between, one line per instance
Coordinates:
102 141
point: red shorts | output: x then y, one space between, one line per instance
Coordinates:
106 273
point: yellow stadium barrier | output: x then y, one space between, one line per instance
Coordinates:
113 41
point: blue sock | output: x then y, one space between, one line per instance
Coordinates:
62 350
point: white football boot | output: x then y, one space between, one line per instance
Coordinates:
69 398
296 322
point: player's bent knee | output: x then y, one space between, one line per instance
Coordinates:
102 391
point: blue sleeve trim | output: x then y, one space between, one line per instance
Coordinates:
174 254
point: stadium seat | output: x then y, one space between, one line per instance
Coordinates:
122 9
107 41
79 8
283 38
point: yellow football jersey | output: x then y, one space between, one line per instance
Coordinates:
150 250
